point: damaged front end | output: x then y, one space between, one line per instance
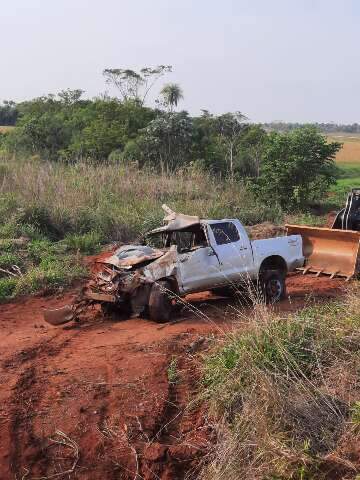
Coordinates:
125 277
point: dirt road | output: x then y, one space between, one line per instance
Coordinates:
96 400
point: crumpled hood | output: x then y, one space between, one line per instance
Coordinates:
129 255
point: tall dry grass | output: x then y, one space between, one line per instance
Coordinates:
117 201
284 396
350 151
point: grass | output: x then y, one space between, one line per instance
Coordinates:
306 219
350 152
36 265
285 395
6 128
172 371
116 202
348 161
62 210
349 178
81 206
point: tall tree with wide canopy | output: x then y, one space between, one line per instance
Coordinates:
134 85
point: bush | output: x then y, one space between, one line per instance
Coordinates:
87 243
297 168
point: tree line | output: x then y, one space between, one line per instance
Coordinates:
327 127
289 168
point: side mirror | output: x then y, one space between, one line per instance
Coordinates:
211 251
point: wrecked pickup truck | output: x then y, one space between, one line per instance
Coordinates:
188 254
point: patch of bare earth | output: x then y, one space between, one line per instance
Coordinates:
95 400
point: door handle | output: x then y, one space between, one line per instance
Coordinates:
243 248
183 259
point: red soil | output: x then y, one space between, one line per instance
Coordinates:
105 385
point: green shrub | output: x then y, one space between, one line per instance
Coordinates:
8 259
296 168
87 243
51 274
7 288
38 249
6 245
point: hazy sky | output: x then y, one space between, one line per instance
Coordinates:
291 60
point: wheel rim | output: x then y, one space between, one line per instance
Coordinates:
274 289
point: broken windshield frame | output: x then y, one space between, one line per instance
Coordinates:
185 240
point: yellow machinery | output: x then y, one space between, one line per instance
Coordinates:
329 251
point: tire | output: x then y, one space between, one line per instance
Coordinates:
160 301
272 285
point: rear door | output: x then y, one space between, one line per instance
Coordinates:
233 248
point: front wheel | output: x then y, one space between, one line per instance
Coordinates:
160 301
272 285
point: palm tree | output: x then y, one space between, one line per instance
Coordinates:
171 94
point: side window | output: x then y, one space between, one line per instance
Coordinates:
225 232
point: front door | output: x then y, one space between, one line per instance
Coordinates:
199 269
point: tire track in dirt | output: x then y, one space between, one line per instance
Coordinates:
105 385
27 450
30 353
170 453
23 442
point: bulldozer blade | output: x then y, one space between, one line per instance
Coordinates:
58 316
329 251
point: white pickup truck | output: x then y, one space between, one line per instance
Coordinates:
189 254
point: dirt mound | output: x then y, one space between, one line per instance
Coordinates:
265 230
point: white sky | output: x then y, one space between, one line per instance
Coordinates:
291 60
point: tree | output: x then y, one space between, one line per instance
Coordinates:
166 142
64 126
229 127
8 113
70 97
171 94
297 167
251 151
207 147
134 85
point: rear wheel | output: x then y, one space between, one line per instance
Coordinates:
160 301
272 285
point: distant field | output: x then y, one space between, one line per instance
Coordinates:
348 160
5 128
350 153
